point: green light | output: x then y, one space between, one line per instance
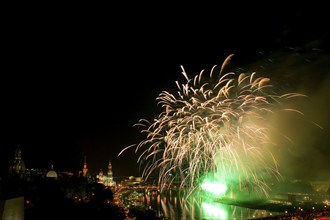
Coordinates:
215 188
214 211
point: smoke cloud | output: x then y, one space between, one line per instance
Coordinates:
302 142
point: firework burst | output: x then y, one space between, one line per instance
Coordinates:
216 126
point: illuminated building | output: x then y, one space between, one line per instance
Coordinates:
18 165
100 177
133 181
109 180
106 180
51 173
85 170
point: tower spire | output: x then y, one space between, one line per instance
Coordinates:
85 169
18 166
110 181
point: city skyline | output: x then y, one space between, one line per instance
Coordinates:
69 91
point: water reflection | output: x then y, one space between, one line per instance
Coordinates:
171 205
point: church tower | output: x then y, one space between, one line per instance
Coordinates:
110 176
18 165
109 180
85 170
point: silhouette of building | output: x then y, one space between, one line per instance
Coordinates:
18 166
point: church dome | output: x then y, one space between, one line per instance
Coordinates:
51 174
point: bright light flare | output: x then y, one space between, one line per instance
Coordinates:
214 188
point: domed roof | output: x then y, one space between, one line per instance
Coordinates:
51 174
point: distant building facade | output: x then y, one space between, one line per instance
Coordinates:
133 181
107 179
18 166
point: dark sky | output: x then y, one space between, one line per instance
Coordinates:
74 81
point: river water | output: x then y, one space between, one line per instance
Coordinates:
171 206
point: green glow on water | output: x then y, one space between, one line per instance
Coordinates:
214 211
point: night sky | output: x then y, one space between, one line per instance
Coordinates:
75 81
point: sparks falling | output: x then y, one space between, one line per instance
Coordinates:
215 127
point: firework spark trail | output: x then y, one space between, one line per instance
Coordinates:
215 125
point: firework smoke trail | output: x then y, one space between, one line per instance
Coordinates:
213 125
